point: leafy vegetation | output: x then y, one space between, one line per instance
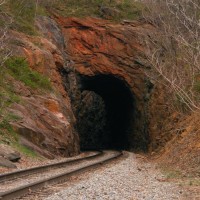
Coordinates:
19 69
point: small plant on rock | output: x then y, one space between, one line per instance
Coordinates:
18 68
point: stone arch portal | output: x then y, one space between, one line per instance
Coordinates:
107 114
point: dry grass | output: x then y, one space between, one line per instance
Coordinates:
182 153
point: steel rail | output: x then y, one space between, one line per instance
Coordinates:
63 177
38 169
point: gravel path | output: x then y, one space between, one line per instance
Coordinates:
131 178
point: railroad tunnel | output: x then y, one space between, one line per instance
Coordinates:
106 115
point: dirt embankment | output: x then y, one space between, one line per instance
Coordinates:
182 152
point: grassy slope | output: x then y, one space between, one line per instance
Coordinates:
128 9
181 157
16 69
23 12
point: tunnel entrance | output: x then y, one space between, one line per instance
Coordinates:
106 117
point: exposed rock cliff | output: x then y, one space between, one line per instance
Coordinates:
46 120
98 47
80 55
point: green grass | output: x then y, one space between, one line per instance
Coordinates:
179 103
7 94
9 136
18 68
5 126
128 9
196 89
194 182
179 176
24 12
7 133
25 150
8 97
197 85
171 173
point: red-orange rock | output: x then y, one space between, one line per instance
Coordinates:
94 46
98 46
47 120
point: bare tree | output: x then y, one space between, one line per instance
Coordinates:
2 2
174 48
5 51
6 21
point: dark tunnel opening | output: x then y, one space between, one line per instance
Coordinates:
111 120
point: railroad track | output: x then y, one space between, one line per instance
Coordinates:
19 183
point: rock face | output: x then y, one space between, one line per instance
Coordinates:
8 156
6 163
98 47
92 111
46 122
8 153
78 55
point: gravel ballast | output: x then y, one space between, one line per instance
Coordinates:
131 178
